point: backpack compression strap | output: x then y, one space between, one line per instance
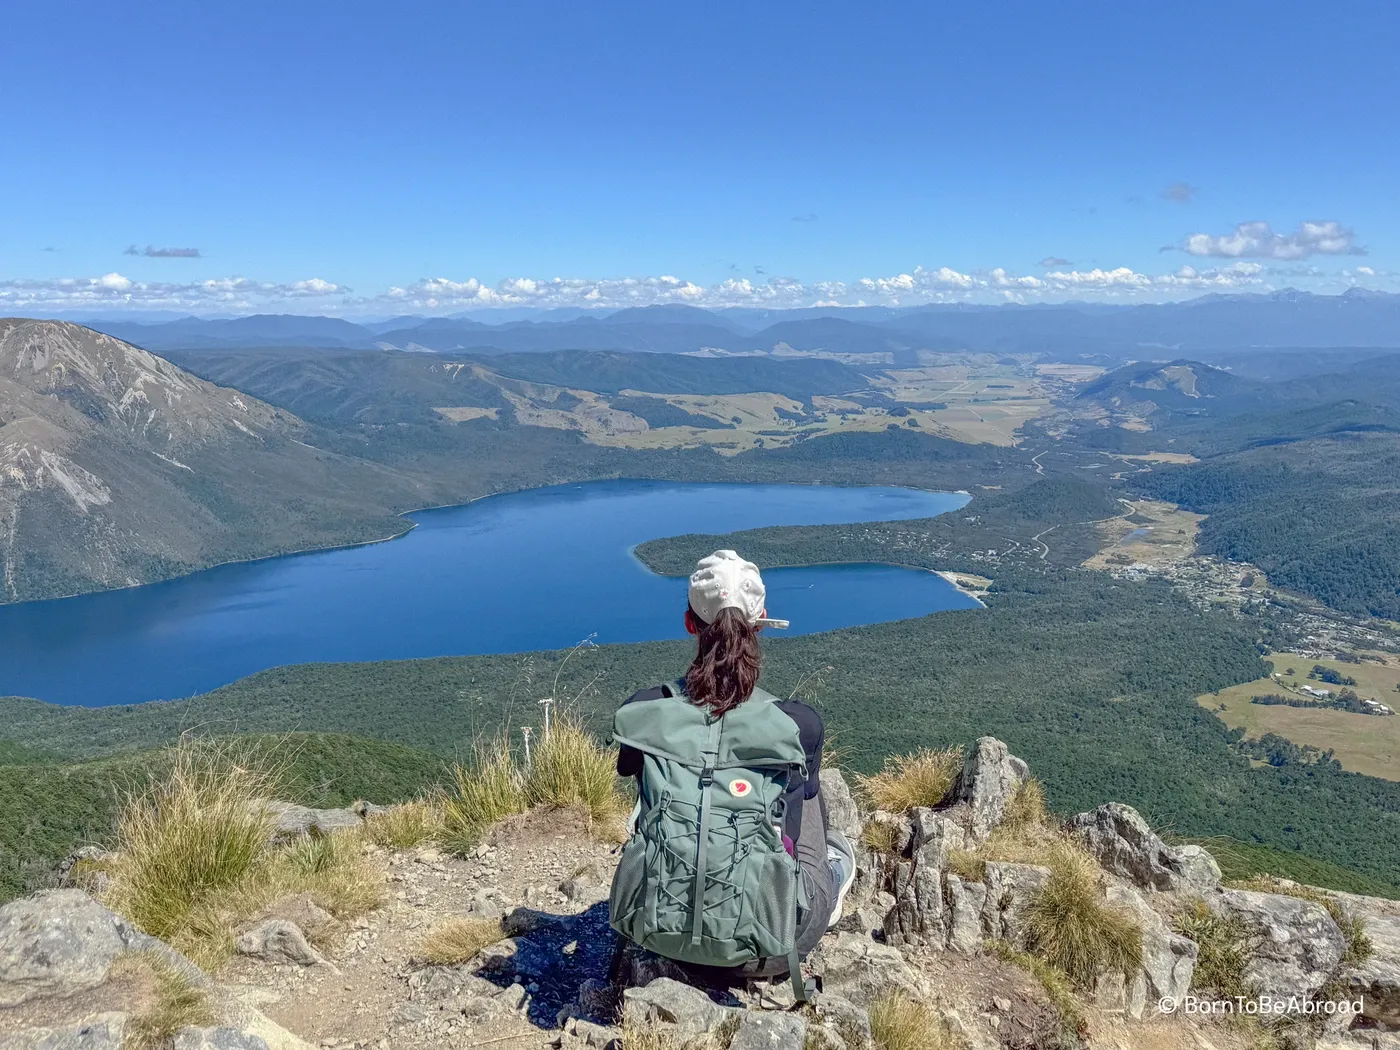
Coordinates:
707 779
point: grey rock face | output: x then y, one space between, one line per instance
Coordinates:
966 901
1010 890
292 820
1377 980
841 807
990 777
279 941
918 915
59 942
1168 959
1124 844
861 970
218 1039
1197 868
847 1021
1299 946
766 1030
99 1032
669 1001
934 835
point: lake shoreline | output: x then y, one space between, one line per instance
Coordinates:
518 572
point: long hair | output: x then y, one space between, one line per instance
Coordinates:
727 658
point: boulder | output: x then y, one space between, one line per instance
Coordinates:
279 941
989 778
849 1022
934 836
767 1030
1010 890
292 821
841 810
861 970
1124 844
1298 945
1168 959
99 1032
918 915
218 1039
965 903
60 943
671 1002
1376 981
1196 867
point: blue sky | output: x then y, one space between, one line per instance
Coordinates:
359 158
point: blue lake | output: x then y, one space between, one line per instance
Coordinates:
541 569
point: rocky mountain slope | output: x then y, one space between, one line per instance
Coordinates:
956 943
117 467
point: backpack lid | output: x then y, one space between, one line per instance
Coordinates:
756 734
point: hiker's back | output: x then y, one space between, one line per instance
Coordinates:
705 878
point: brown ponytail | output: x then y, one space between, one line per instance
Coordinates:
725 669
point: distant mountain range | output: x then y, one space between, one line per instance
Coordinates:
1356 319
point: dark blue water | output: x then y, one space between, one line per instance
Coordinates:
541 569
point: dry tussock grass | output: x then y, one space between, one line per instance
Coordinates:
1225 946
175 1001
1071 927
569 769
459 940
923 778
900 1023
406 825
194 857
483 794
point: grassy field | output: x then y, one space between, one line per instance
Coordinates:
977 402
1368 744
1155 533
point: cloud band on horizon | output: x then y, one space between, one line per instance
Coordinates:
921 286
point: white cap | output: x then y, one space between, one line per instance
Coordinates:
726 581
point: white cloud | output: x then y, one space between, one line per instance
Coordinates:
1257 240
914 287
233 294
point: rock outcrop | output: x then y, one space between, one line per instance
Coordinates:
989 779
1376 980
1298 946
1125 845
59 953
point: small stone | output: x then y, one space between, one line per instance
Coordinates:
1002 1004
409 1013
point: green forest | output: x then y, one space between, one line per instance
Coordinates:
1320 516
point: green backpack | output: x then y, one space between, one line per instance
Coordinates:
705 879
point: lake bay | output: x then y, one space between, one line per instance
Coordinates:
540 569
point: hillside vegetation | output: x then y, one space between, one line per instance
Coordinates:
1081 674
